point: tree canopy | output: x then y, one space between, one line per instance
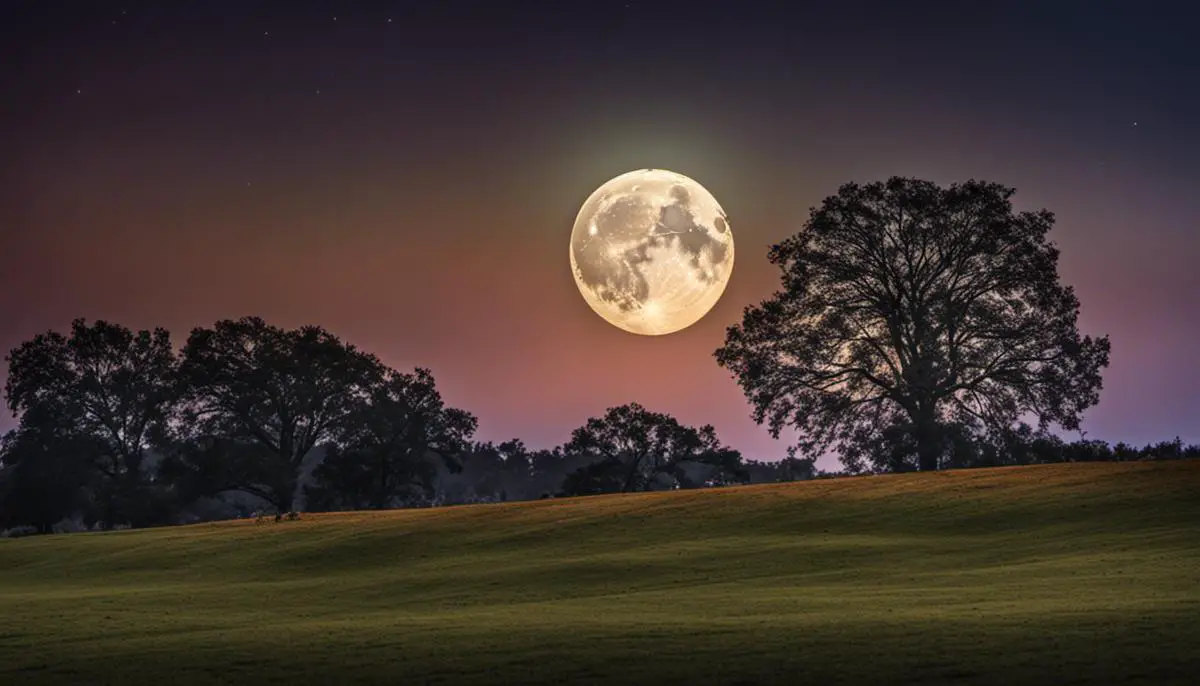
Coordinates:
104 390
914 318
44 472
271 394
389 439
635 445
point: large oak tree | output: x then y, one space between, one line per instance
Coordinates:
258 398
910 316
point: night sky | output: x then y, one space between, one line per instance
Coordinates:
407 174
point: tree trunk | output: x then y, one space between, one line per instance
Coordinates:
927 456
286 495
291 461
928 434
634 467
383 482
929 447
109 510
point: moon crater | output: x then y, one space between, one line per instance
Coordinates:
651 251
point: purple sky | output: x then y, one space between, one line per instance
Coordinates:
411 184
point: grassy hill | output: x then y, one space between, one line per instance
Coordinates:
1080 573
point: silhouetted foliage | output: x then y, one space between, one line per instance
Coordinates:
281 391
1046 449
491 472
388 441
495 472
115 430
648 446
607 475
202 466
913 318
547 470
790 468
44 475
105 391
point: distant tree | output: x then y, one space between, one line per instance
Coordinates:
1087 451
1170 450
482 477
518 464
492 471
790 468
1030 447
547 470
1123 452
793 468
608 475
389 441
257 398
106 392
644 444
915 311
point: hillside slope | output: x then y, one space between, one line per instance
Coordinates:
1079 573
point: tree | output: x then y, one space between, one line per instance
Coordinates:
498 471
107 391
604 476
44 475
547 469
390 440
257 398
792 468
518 462
199 466
643 444
915 309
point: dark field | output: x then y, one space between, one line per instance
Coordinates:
1076 573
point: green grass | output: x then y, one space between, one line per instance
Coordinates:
1081 573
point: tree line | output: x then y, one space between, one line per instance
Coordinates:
916 327
118 428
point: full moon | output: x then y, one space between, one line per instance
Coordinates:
651 251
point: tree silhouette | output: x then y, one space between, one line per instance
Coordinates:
547 469
608 475
640 444
253 391
198 466
914 309
495 472
389 440
44 471
518 463
108 389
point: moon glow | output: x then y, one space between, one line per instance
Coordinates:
651 251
